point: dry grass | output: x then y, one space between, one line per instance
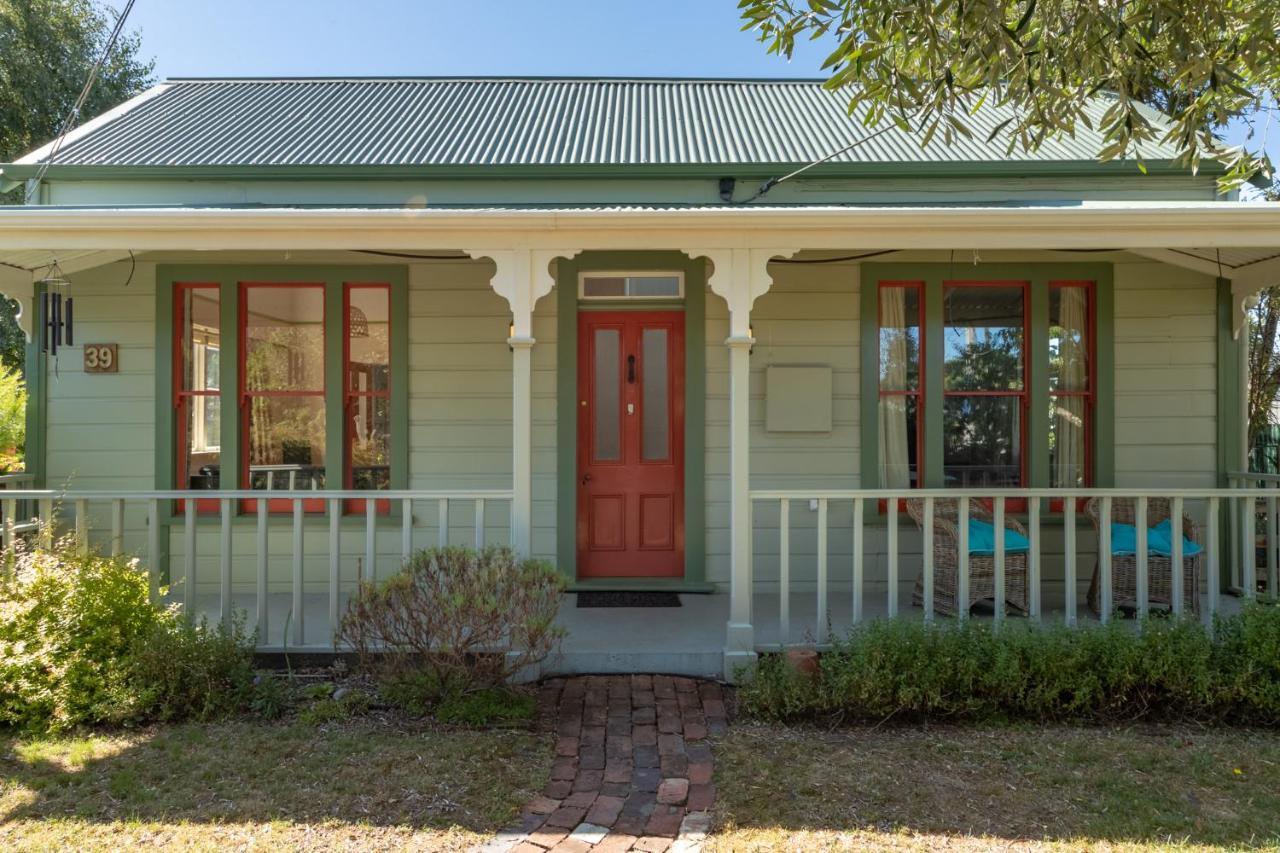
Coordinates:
971 788
367 784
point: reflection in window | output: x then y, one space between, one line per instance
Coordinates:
283 368
1070 391
984 382
368 372
899 406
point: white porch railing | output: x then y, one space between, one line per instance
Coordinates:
860 523
1264 517
14 519
59 513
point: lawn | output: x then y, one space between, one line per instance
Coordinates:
370 783
975 787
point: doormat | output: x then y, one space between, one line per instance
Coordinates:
628 599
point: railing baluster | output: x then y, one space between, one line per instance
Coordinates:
226 608
82 525
822 570
188 558
1033 559
262 551
299 606
370 541
892 521
998 604
784 572
443 522
335 563
46 524
1248 547
10 522
858 547
1069 558
1233 529
479 524
153 548
1176 579
1141 523
117 528
1105 603
406 529
962 560
927 548
1212 569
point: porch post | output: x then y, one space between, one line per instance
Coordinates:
740 276
521 276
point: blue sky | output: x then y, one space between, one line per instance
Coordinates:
656 38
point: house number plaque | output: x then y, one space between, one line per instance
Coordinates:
101 358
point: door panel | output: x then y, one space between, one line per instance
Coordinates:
630 444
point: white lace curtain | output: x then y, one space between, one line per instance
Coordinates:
1068 412
895 466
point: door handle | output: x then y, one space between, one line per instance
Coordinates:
586 478
631 370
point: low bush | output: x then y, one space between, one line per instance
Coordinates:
1170 669
452 623
81 643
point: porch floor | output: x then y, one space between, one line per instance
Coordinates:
686 640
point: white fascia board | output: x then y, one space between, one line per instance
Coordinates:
1125 225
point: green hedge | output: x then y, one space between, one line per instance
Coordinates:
1170 669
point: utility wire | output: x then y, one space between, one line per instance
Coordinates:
72 117
773 182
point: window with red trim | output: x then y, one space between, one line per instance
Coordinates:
1071 383
900 409
197 387
367 389
282 389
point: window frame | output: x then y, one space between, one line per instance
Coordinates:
1098 277
169 278
678 275
349 396
921 359
182 397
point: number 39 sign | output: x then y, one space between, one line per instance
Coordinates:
101 358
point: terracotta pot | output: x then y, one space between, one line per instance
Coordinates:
803 660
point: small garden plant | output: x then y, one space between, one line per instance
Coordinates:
450 633
1169 669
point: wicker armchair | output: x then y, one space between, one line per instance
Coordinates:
1124 567
946 560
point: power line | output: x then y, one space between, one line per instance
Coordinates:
72 117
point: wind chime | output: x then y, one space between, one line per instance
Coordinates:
56 317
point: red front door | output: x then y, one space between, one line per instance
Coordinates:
630 444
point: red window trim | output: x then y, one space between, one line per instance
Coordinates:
182 396
349 396
274 505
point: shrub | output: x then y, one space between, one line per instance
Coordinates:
13 417
1171 668
81 643
454 621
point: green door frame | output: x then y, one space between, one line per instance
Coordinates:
694 307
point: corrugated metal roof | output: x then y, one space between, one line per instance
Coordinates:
517 122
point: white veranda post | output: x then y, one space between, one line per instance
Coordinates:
739 276
521 276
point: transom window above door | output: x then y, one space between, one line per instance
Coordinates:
631 285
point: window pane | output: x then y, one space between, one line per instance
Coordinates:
203 459
982 339
655 399
370 443
649 286
982 441
607 395
899 454
286 443
634 286
899 338
284 338
368 338
201 326
1068 339
1066 442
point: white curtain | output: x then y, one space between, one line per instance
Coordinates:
895 470
1068 412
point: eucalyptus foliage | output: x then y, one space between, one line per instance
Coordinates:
929 65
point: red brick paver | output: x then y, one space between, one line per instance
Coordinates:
631 758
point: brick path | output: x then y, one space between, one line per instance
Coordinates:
632 768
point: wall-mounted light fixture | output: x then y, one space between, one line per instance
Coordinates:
511 333
751 333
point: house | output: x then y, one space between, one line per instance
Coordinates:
674 335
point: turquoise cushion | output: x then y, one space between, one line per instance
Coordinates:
1124 540
982 539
